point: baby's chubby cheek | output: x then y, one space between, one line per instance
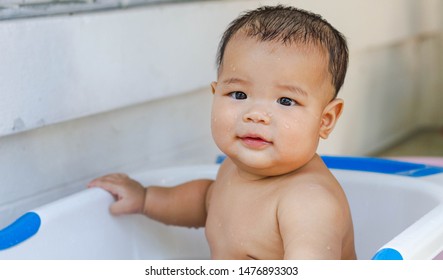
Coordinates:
217 128
222 133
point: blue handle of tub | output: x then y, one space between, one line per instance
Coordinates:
388 254
19 231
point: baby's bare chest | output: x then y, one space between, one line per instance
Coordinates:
242 223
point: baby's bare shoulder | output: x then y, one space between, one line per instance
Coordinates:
313 214
321 188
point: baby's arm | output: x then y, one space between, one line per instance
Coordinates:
183 205
311 224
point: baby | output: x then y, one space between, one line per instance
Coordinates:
279 71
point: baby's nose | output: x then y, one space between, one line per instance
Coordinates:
257 116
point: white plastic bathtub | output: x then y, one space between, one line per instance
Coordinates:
395 217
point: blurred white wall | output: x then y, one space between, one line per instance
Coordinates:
88 94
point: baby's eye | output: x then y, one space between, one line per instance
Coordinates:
286 101
238 95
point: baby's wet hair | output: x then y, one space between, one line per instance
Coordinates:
290 25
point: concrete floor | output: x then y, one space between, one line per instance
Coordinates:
424 143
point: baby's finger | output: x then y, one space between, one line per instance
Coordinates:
119 175
97 181
115 177
114 189
110 178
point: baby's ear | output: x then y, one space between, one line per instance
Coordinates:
213 86
331 113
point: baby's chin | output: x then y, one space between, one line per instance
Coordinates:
263 169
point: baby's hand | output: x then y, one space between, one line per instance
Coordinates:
129 194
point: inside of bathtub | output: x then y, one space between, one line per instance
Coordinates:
400 213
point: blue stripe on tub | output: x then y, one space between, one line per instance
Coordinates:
381 165
22 229
388 254
220 159
378 165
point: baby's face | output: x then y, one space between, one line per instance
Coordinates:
268 104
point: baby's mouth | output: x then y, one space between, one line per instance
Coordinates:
254 141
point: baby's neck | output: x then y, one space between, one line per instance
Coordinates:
252 175
248 176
